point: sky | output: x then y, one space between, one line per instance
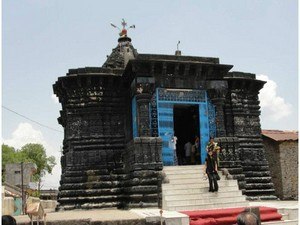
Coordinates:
42 39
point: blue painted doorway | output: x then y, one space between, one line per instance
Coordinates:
167 100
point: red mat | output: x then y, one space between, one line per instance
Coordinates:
228 216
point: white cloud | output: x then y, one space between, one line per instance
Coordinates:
273 106
54 98
24 134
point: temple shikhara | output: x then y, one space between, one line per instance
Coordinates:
126 121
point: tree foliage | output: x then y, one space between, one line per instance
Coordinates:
11 155
8 156
35 153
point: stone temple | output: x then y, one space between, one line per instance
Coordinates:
119 121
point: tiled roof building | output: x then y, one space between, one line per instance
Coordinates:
282 153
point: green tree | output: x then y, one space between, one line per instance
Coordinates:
8 156
35 153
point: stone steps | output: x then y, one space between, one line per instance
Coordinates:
189 171
90 192
197 194
91 185
186 176
292 212
184 167
284 222
198 190
252 186
107 198
214 200
258 179
289 217
199 184
188 190
284 216
209 206
259 191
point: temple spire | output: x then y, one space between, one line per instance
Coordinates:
124 51
123 31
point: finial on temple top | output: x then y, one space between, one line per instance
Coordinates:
123 32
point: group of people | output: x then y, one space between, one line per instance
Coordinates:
191 152
192 156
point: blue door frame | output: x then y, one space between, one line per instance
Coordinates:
165 111
134 117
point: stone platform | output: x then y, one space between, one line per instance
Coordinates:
147 216
110 217
88 217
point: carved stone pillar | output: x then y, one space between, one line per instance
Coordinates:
219 104
143 114
143 91
217 97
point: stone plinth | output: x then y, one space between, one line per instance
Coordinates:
143 163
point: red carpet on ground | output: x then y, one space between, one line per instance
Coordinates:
228 216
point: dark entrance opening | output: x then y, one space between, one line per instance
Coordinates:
186 128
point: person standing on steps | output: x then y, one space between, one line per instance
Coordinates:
213 146
211 169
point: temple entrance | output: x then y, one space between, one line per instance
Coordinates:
186 128
184 114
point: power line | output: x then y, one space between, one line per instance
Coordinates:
31 119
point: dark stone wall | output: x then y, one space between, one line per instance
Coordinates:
93 118
99 169
243 112
230 159
143 163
